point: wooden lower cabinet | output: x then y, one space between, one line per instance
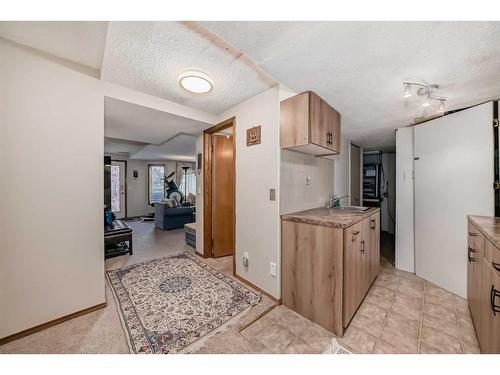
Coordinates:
326 272
483 289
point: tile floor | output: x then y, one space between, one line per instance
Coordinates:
400 314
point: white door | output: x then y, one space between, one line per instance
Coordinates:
118 192
453 179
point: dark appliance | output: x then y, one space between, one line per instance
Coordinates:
107 182
371 189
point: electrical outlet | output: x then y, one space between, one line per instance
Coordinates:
273 269
308 180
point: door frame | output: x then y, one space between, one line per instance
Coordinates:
125 183
360 173
207 186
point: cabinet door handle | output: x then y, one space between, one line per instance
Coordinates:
354 234
362 246
494 294
472 234
373 224
495 265
471 259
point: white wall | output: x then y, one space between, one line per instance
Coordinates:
51 198
405 242
199 198
51 215
341 172
453 179
257 171
297 194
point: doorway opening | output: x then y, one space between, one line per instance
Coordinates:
219 156
119 188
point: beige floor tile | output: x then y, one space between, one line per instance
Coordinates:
404 324
428 349
255 328
367 324
297 346
388 283
444 301
440 340
407 306
372 311
317 338
449 326
435 291
384 348
381 291
275 337
400 340
358 341
411 289
256 347
293 322
275 314
462 306
438 311
382 302
467 331
471 348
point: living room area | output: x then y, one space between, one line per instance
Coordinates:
150 182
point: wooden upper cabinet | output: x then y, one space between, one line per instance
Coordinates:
308 124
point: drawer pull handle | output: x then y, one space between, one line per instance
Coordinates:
471 259
495 265
363 247
472 234
373 223
493 294
354 234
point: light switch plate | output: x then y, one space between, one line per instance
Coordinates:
273 269
272 194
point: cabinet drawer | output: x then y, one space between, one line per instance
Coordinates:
475 242
492 256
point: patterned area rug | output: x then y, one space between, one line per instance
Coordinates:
168 303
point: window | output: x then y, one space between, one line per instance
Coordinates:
115 188
156 175
188 182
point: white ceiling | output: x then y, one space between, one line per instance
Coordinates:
148 134
149 56
80 42
359 67
124 120
182 147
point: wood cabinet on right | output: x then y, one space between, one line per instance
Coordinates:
310 125
483 289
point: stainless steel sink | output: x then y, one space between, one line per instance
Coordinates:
351 208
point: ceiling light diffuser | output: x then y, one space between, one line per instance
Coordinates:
196 82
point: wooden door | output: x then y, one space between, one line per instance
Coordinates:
489 328
319 121
311 272
354 273
294 121
334 128
222 195
355 175
373 247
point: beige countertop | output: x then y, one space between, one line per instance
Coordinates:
489 226
330 217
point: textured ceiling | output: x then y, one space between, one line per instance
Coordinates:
149 56
181 147
359 67
80 42
124 120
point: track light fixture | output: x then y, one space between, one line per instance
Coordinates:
427 91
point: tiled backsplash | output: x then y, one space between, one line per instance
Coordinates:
296 192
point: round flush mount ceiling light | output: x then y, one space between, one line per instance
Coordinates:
196 82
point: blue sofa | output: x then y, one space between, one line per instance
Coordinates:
172 218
